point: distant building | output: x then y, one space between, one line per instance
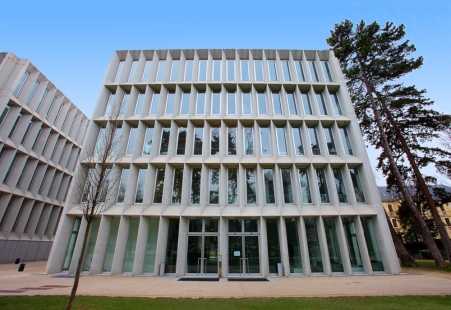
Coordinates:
41 133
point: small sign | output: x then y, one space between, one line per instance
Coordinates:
236 253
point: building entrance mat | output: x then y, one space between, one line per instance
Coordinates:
65 276
199 279
247 279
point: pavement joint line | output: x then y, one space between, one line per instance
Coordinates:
156 286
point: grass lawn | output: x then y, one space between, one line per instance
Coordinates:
88 302
429 264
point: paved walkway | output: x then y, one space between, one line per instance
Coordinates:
33 281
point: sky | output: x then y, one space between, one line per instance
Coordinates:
72 42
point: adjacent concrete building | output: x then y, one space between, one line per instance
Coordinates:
41 133
232 159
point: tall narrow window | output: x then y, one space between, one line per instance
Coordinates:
131 77
177 186
286 183
123 185
298 147
161 67
272 70
248 141
109 106
164 146
170 103
322 185
261 100
214 141
16 122
292 103
131 140
214 186
251 189
26 132
321 104
313 245
231 105
10 168
294 250
314 141
4 113
371 244
159 186
31 93
306 103
340 185
216 70
353 245
147 145
175 70
119 71
231 141
336 262
247 107
124 104
326 71
299 71
20 84
330 141
146 73
216 103
198 139
195 185
244 70
269 185
358 189
313 72
281 141
117 138
232 186
286 70
73 240
140 185
23 171
200 104
276 103
336 104
305 186
139 104
181 141
231 70
265 141
346 140
154 103
258 70
37 138
41 100
202 70
188 70
65 119
184 108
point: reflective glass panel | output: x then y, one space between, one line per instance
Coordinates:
265 141
148 141
231 70
345 140
258 70
333 245
131 77
231 141
195 185
269 185
336 104
170 103
281 141
294 250
131 245
131 140
305 186
298 147
111 245
316 262
184 109
151 246
286 70
147 70
161 67
276 104
198 139
188 70
330 141
202 70
358 190
272 70
326 71
123 185
124 104
164 146
159 186
175 70
214 141
272 237
321 104
247 109
181 141
353 244
200 105
251 190
261 99
313 72
91 244
231 106
171 247
216 103
322 185
291 103
371 244
306 103
140 185
119 71
216 70
139 104
286 183
248 141
214 186
232 186
154 103
244 70
177 186
314 141
340 185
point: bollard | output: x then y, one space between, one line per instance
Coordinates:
21 267
279 270
220 266
162 267
17 261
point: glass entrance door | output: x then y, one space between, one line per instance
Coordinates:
202 247
244 253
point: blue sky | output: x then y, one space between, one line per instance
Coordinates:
71 42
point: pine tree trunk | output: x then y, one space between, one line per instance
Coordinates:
424 188
406 259
79 264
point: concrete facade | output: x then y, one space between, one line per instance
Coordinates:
240 159
41 134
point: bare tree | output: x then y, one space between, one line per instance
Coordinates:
90 189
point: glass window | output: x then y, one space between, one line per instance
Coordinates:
276 103
353 244
146 73
214 141
184 109
298 147
159 186
73 240
346 140
292 103
244 70
131 140
272 70
202 70
50 109
170 103
20 84
131 245
272 237
31 93
216 103
326 71
314 141
161 66
269 185
119 71
200 105
147 145
258 70
316 263
231 106
214 186
286 70
251 189
36 139
247 107
133 71
4 113
122 185
109 107
306 103
261 99
333 245
321 104
10 168
286 183
231 141
188 70
154 103
322 185
41 100
195 185
265 141
16 122
181 141
330 141
294 250
177 186
124 104
140 185
358 190
305 186
165 140
281 141
313 72
232 186
299 71
171 246
230 70
198 139
91 244
139 104
340 185
175 70
248 141
336 104
216 70
27 131
371 244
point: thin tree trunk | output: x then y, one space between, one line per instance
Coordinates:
79 265
404 255
427 237
424 188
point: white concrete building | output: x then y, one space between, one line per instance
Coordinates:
41 133
248 157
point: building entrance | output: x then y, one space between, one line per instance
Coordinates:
244 253
202 247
